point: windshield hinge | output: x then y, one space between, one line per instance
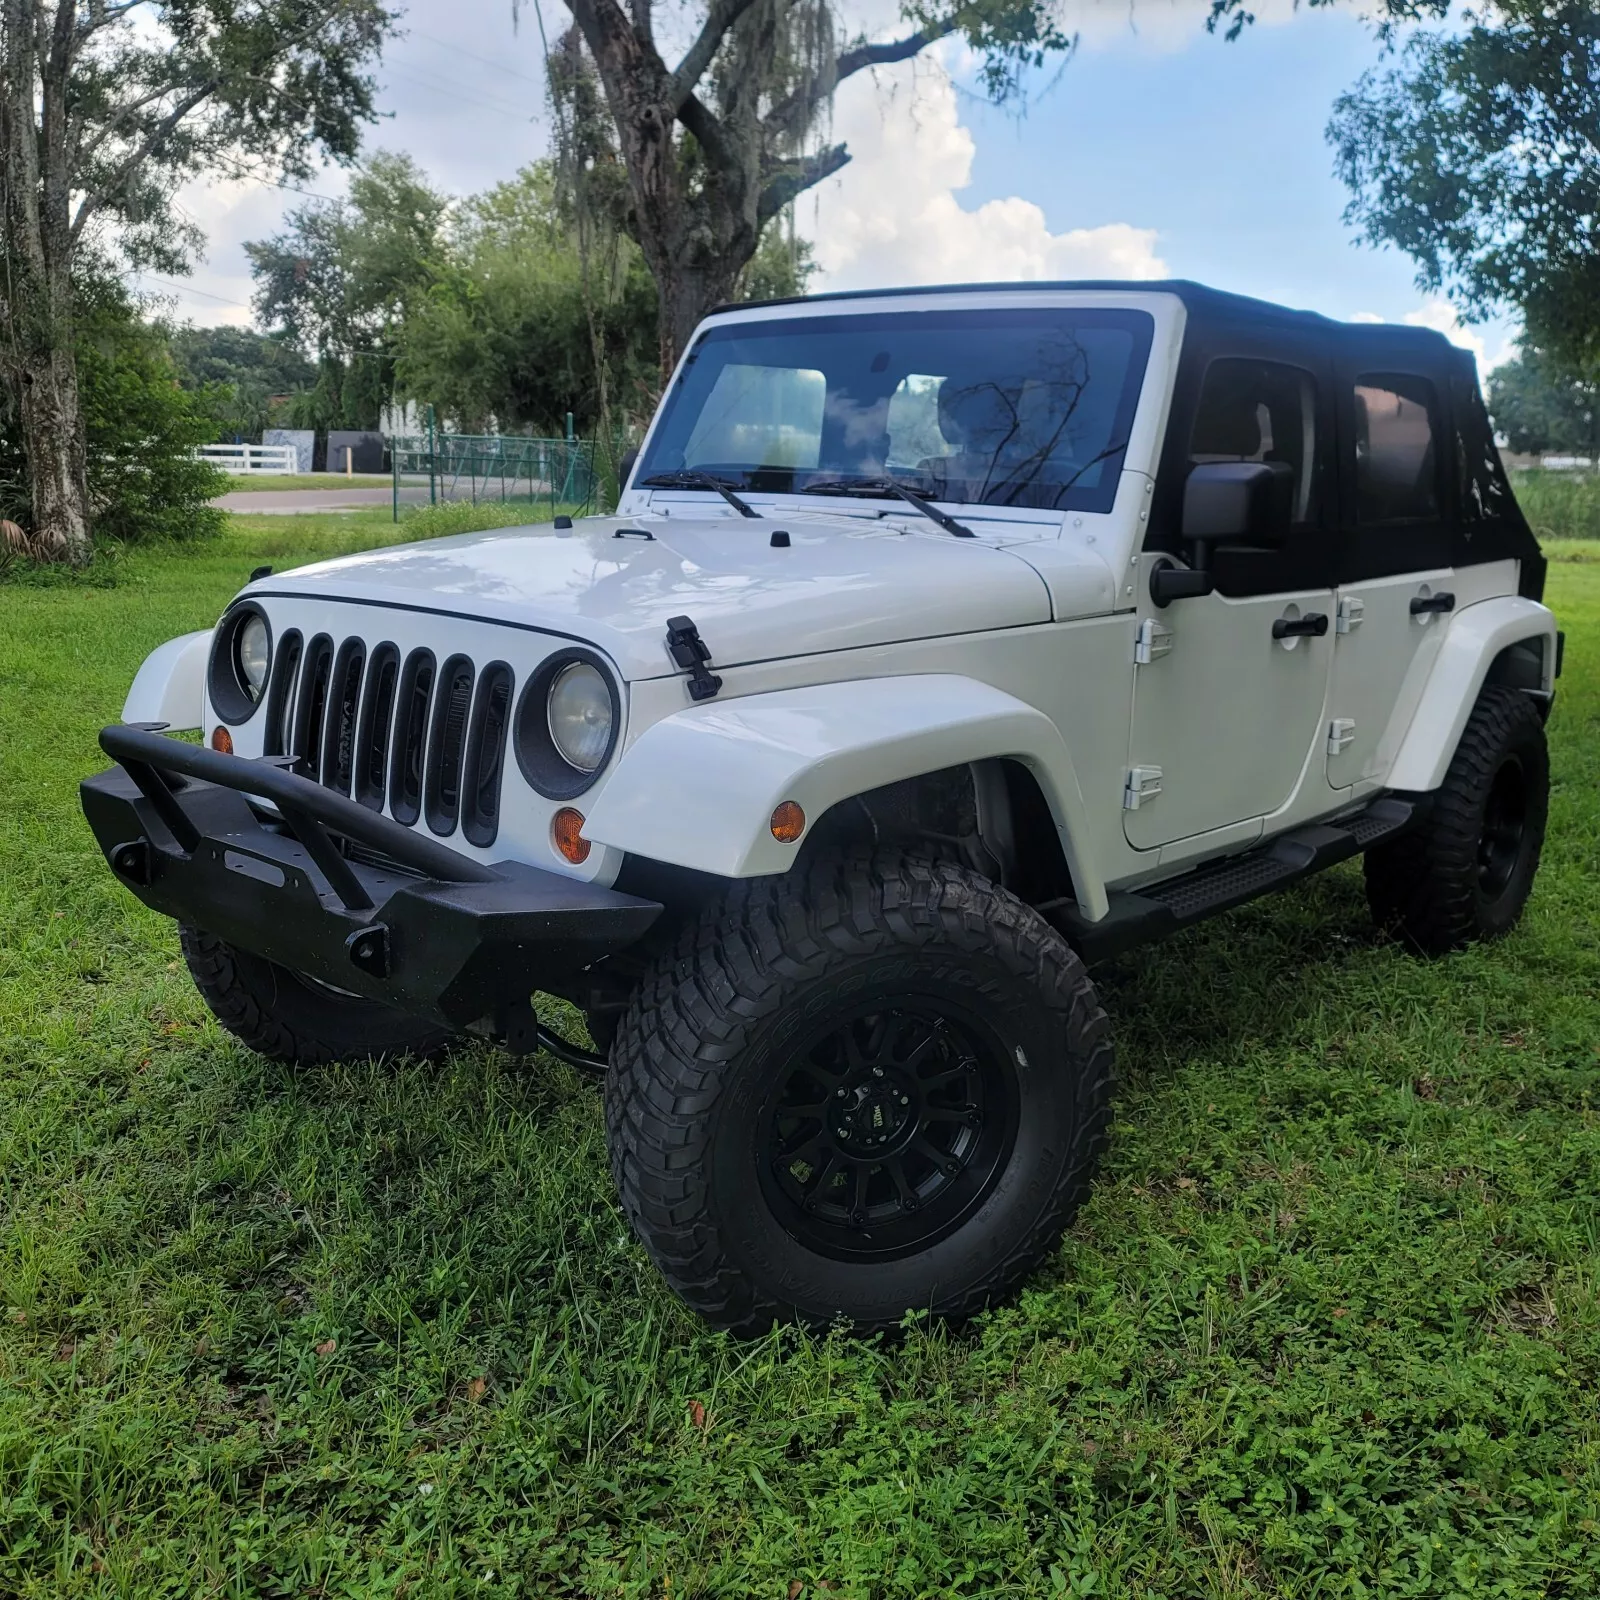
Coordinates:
689 651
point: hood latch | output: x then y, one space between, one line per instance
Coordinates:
689 651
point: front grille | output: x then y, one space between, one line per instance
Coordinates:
427 741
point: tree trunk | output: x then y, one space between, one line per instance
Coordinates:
36 341
53 440
685 294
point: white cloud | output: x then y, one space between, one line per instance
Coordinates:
892 216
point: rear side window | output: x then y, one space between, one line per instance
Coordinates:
1485 494
1260 411
1397 457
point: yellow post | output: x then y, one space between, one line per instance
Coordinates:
349 456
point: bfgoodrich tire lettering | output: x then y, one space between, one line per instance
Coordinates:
717 1022
285 1016
1466 871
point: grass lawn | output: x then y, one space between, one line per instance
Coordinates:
1329 1327
245 481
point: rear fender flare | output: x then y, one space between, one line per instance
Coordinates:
1477 636
698 788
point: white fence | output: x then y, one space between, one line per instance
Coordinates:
274 458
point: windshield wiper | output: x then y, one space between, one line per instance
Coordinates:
888 486
700 480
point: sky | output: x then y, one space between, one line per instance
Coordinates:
1157 149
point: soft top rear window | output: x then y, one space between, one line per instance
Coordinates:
1021 406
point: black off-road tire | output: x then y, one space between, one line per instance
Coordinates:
1465 872
883 951
287 1017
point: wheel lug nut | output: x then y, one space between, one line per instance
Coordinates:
877 1072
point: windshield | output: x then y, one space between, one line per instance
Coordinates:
1015 407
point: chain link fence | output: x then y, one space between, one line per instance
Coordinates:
568 474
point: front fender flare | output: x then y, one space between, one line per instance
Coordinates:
170 686
698 788
1475 638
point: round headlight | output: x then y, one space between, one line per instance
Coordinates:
253 651
580 715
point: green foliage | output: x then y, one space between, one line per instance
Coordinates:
1477 157
141 427
339 281
1559 505
1542 408
244 371
466 516
781 268
517 328
1329 1327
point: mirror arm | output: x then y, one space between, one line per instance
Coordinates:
1169 581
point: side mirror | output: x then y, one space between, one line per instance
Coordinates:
1226 502
630 459
1248 502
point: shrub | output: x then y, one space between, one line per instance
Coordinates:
1559 505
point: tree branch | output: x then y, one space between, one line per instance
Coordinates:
147 147
719 18
861 56
794 178
802 105
708 133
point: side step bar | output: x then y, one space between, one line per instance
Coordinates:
1141 916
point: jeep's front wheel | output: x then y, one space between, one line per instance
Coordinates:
1465 872
293 1018
880 1087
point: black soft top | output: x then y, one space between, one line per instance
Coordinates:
1203 303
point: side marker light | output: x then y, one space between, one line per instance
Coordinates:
788 822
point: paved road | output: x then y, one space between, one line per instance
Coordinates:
286 502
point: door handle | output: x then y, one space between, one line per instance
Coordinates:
1425 603
1311 626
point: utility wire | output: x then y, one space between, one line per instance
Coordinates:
499 66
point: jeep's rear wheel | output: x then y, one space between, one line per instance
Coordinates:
878 1088
294 1018
1466 871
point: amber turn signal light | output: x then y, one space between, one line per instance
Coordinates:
222 740
566 828
788 822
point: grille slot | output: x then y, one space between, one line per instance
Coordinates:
425 741
312 705
377 717
486 749
339 725
280 693
447 738
410 734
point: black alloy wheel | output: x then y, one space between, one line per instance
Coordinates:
1505 826
887 1127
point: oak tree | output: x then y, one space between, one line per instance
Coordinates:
106 106
1478 155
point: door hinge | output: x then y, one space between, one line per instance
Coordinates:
1152 641
1142 786
1341 735
1352 612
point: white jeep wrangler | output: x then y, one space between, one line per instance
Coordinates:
943 641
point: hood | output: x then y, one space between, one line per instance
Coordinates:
843 582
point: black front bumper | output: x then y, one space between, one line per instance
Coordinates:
339 892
